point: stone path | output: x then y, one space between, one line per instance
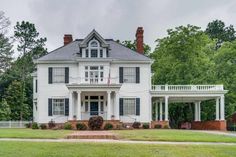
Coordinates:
116 141
92 135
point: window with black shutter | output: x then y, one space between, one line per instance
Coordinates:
121 107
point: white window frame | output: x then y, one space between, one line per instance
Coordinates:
127 110
127 75
58 75
99 70
91 47
60 112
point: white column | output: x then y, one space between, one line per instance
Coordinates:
195 111
117 106
160 110
166 108
199 111
108 105
71 105
78 105
222 107
156 104
217 109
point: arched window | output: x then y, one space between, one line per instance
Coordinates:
94 44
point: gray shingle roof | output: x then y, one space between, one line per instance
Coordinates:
117 51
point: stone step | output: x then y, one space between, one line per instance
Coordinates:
92 135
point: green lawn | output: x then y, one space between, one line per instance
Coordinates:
172 135
42 149
29 133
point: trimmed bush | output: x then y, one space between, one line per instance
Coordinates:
51 124
95 123
146 125
136 125
81 126
35 125
28 125
108 126
67 126
43 126
157 126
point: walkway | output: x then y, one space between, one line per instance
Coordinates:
116 141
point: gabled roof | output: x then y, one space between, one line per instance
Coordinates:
116 51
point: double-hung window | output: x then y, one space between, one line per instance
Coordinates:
58 75
58 107
129 106
129 75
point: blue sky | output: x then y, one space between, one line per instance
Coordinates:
117 19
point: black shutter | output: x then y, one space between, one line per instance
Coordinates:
121 107
137 106
36 86
121 74
66 107
137 75
66 74
50 75
49 107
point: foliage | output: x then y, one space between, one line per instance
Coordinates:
81 126
166 127
136 125
35 125
28 125
5 111
157 126
146 126
67 126
43 126
51 124
132 45
4 22
108 126
95 123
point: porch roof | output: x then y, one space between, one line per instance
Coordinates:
94 87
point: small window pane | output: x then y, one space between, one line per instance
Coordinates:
86 97
94 97
86 106
94 53
94 44
101 53
101 106
94 68
101 97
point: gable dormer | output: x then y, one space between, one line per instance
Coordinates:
94 46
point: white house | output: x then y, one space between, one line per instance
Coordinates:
97 76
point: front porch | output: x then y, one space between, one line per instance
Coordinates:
163 95
87 100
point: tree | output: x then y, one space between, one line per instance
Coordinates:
4 22
132 45
183 57
217 30
19 110
5 111
6 53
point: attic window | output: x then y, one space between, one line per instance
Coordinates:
94 44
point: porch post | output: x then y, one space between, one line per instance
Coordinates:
160 116
166 108
156 110
217 109
195 111
199 111
117 110
70 105
78 105
108 105
222 107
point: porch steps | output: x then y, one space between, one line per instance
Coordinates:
92 135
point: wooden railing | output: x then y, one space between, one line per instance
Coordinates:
187 87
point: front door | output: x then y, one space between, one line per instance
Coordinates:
93 108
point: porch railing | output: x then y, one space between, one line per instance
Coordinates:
13 124
95 80
187 87
87 115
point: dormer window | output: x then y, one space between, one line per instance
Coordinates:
94 44
94 50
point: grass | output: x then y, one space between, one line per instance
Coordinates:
42 149
172 135
36 134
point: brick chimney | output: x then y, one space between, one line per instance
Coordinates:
139 40
67 39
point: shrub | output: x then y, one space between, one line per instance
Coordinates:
67 126
136 125
146 125
43 126
95 123
157 126
28 125
35 125
166 127
81 126
108 126
51 124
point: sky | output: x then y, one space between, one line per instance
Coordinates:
116 19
